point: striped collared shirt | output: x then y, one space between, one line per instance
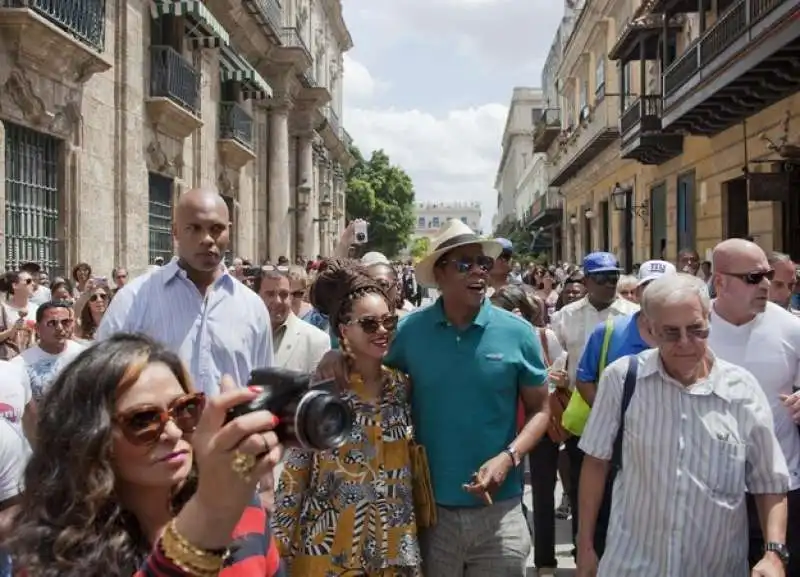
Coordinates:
678 507
227 332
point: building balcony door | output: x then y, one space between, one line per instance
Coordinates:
658 222
791 217
735 217
685 209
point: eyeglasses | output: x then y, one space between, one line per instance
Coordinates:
605 278
675 334
370 325
386 284
464 264
144 425
753 278
98 296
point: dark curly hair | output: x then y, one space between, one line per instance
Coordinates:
71 522
338 286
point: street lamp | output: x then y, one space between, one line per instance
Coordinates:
573 220
623 202
588 214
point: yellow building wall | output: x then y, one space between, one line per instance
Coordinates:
713 160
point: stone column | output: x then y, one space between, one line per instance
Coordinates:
280 221
305 171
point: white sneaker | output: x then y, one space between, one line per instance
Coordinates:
546 572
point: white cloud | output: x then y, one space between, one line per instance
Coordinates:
360 85
449 157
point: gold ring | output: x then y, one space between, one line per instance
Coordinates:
243 464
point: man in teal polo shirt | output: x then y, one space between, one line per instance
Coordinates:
470 363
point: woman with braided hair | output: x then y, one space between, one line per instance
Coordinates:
349 511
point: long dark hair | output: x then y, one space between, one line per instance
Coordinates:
511 297
71 522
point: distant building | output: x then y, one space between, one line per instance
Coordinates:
431 216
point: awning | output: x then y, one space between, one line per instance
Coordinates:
210 33
237 69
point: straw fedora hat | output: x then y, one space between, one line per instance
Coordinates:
452 235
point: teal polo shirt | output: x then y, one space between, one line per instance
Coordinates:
465 390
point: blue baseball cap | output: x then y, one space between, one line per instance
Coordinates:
507 245
596 262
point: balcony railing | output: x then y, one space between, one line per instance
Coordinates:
309 79
546 129
333 119
272 12
235 123
735 23
291 38
83 19
644 112
171 76
347 140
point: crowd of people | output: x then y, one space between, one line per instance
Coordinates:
663 397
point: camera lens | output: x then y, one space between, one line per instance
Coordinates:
360 237
322 421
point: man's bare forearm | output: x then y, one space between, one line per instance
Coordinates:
772 513
537 412
590 496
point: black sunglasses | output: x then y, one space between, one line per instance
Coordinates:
753 278
465 263
370 325
605 278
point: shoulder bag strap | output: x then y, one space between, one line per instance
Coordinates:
545 347
628 389
604 349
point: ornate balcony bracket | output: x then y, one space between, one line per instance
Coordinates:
38 44
170 118
233 153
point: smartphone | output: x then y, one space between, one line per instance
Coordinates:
360 232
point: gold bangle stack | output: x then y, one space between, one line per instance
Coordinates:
195 561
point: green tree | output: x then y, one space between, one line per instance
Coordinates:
382 194
420 247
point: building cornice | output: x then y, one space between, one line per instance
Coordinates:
333 10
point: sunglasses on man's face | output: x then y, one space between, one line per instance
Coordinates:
144 425
605 278
464 264
370 325
753 278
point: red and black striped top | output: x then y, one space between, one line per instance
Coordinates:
253 552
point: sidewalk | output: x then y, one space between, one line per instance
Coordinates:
566 564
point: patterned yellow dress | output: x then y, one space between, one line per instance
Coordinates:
350 512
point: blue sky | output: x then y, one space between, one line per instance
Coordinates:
429 81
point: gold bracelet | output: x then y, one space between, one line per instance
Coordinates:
195 561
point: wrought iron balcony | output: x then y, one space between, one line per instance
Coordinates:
547 128
83 19
333 119
235 124
269 12
596 132
308 79
171 76
347 140
642 137
738 65
291 38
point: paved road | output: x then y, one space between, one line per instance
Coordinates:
566 565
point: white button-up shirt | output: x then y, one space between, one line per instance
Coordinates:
574 323
227 332
678 507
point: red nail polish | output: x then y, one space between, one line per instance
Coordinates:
255 388
275 421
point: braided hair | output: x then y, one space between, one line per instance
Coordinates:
338 286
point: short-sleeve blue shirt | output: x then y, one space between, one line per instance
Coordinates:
625 340
465 391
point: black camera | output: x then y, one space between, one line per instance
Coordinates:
315 417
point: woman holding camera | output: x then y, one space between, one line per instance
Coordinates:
135 473
350 511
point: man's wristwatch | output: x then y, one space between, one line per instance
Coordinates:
513 454
779 549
